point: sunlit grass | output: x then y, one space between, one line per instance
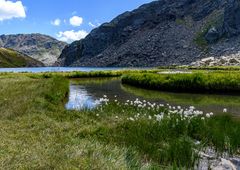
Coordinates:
38 133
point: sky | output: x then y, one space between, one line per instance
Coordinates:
66 20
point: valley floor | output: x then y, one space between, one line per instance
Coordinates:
37 132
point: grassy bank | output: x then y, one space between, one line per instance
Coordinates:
195 82
79 74
38 133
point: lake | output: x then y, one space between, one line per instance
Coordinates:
63 69
86 92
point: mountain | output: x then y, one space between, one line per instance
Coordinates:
40 47
163 32
11 58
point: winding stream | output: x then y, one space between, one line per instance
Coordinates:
86 92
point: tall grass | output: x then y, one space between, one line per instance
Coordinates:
169 142
196 82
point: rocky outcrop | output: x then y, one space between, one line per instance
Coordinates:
163 32
11 58
40 47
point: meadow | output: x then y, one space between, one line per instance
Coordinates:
37 132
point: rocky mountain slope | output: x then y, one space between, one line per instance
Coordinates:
40 47
11 58
163 32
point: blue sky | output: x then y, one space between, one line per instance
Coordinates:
52 17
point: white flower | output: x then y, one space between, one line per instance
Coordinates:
203 118
208 115
192 107
132 119
224 110
211 114
149 117
159 117
116 117
97 115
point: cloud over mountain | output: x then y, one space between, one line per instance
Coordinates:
70 36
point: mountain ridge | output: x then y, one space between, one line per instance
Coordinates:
11 58
41 47
163 32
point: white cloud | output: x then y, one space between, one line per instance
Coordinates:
56 22
70 36
76 21
9 10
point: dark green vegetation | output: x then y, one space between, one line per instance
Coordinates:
38 133
11 58
195 82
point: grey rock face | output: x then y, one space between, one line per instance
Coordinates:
40 47
162 32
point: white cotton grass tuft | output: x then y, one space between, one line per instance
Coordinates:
225 110
155 112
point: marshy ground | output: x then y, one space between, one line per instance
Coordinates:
37 132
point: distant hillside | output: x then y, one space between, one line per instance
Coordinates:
11 58
40 47
163 32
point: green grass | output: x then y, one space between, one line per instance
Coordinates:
11 58
200 100
38 133
195 82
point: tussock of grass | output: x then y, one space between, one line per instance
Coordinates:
196 82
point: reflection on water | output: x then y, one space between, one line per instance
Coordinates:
79 98
86 92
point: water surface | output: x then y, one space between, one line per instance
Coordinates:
86 92
63 69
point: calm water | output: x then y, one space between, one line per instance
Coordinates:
85 93
62 69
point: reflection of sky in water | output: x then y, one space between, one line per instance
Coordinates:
85 95
80 99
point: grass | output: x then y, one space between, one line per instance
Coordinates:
11 58
185 98
38 133
225 82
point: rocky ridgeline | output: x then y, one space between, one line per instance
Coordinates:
40 47
163 32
